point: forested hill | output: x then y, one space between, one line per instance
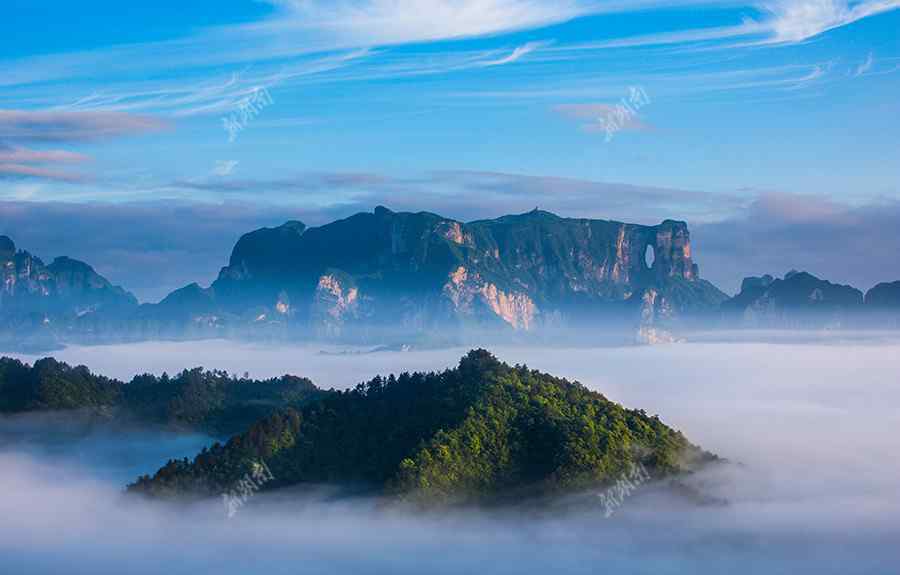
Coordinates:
482 432
209 401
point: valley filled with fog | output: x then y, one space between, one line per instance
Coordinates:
807 424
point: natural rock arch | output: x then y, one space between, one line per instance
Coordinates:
650 256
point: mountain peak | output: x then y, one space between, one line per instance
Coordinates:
538 213
294 225
7 248
478 360
70 264
494 433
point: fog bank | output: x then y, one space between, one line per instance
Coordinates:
809 427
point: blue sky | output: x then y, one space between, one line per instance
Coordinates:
469 108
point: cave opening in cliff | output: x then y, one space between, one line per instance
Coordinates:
649 256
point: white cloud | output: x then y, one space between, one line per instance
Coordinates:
402 21
798 20
808 417
24 192
224 167
865 66
516 54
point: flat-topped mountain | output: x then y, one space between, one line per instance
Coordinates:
415 271
387 277
484 432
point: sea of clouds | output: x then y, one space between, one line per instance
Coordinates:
809 426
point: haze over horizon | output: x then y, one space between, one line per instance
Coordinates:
805 425
449 286
770 127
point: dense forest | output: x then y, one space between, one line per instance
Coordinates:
483 432
210 401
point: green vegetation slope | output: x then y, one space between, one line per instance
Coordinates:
210 401
483 432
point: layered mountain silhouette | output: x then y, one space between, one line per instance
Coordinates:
42 303
799 298
66 286
385 276
802 300
418 271
376 274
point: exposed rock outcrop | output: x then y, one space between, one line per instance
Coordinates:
41 304
883 305
412 273
335 303
884 296
470 294
798 300
421 270
65 287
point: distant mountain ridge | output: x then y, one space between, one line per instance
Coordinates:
802 300
64 286
65 296
387 277
417 271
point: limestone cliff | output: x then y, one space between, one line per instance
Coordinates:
420 270
471 296
41 305
336 302
66 286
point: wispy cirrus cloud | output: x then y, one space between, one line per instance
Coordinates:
515 55
19 127
798 20
865 66
20 162
330 41
55 126
20 155
764 22
381 22
15 171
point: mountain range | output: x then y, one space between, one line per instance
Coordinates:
390 276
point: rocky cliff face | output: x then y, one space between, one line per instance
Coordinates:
884 296
47 302
420 270
798 300
66 286
883 305
471 297
405 273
